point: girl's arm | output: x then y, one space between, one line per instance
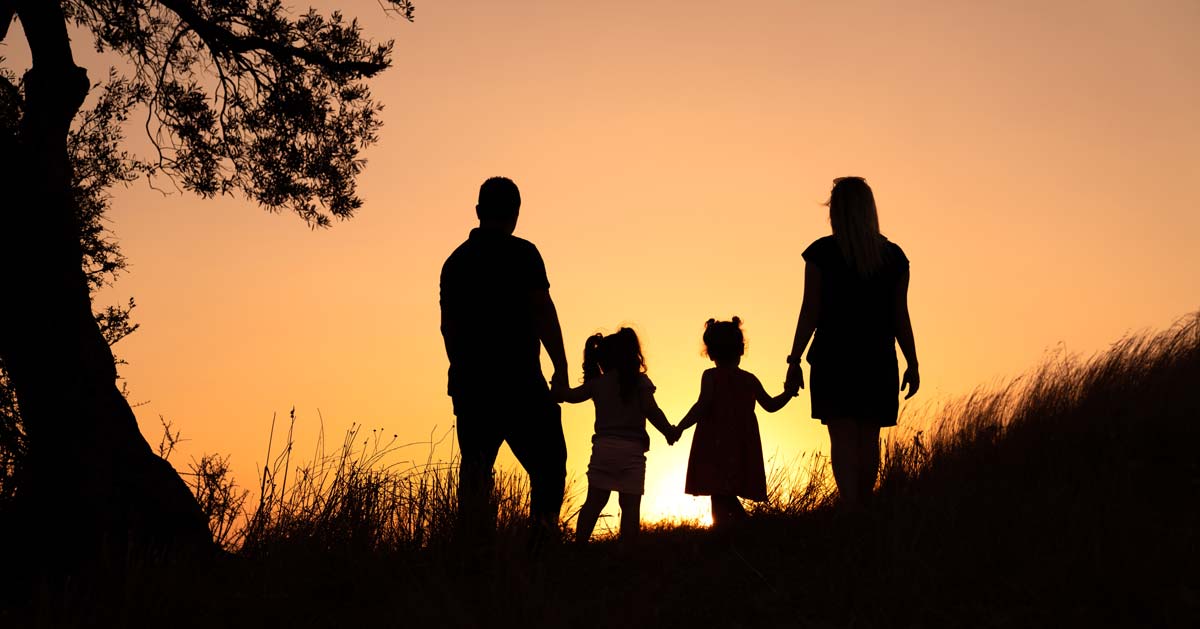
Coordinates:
904 336
573 395
806 324
657 418
700 408
772 404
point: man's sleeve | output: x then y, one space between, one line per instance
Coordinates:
537 270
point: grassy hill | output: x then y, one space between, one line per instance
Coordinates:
1067 497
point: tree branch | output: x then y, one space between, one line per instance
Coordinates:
45 30
221 39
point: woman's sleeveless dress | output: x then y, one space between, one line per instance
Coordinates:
854 371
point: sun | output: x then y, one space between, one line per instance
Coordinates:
666 503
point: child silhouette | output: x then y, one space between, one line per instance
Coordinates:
614 379
726 460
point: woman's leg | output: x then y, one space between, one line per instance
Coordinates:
589 513
844 457
727 510
719 516
868 459
631 515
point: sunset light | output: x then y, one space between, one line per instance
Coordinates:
673 161
278 279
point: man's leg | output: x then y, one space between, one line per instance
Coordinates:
478 441
536 439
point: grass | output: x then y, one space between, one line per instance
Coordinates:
1066 497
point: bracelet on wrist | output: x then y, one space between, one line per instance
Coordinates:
793 360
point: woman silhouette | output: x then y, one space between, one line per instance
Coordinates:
856 302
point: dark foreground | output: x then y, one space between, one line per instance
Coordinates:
1070 498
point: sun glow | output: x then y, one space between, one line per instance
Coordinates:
1041 191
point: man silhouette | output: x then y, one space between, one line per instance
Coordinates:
496 315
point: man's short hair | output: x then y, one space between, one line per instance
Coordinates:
499 199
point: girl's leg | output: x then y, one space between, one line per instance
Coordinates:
631 515
844 455
589 513
868 459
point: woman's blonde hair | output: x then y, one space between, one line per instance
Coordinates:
855 223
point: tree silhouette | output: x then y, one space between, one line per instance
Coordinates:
240 97
98 163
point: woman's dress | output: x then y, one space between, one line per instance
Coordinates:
854 372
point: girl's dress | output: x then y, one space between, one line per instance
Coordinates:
726 457
854 371
620 441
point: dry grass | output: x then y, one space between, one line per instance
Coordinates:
1067 497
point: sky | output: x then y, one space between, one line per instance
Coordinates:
1037 161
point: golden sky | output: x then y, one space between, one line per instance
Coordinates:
1038 162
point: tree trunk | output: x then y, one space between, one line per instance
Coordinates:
93 481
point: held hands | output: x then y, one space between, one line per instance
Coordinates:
912 379
794 381
673 435
558 386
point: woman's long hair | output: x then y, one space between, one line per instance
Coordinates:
855 223
620 352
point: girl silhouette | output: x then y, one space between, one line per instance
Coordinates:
614 379
856 301
726 460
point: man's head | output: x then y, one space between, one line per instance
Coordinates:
499 204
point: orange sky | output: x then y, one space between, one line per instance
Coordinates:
1038 162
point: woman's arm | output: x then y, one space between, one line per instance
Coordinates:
700 408
806 324
772 404
904 336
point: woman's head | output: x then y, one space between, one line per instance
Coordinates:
723 340
855 222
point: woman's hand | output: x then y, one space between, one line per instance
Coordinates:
795 380
912 379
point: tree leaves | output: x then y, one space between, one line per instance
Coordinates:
244 97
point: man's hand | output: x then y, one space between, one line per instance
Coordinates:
558 385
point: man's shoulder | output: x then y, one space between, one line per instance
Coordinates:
525 246
457 256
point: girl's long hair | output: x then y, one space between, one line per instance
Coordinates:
855 222
620 352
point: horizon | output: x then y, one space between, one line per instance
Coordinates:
673 162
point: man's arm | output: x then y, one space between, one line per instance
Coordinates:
550 333
449 326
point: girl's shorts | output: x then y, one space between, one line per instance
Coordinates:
617 465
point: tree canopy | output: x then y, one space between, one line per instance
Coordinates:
238 97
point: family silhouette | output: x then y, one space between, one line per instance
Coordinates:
497 314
